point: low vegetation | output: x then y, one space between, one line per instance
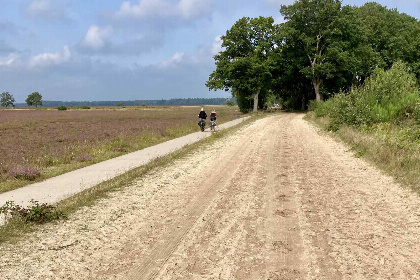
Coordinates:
34 213
380 120
62 108
387 97
16 228
38 144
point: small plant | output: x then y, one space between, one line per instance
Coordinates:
62 108
229 102
23 173
120 104
35 213
85 158
120 149
84 107
360 153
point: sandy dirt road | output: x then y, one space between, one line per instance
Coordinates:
276 200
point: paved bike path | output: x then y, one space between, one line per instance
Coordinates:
63 186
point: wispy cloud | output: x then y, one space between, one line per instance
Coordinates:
185 9
10 60
47 59
46 9
174 60
100 40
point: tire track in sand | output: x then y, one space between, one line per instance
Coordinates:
225 173
274 201
250 230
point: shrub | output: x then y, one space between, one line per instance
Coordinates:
24 173
229 102
62 108
84 107
313 104
388 96
35 213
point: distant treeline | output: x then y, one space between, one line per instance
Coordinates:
162 102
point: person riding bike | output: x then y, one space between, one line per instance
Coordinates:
202 117
213 115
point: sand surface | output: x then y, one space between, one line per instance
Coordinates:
276 200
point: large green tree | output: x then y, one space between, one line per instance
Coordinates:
34 99
323 33
243 66
392 36
6 99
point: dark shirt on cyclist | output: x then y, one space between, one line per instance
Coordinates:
213 116
202 115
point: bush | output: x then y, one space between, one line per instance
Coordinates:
23 173
388 96
62 108
229 102
313 104
35 213
84 107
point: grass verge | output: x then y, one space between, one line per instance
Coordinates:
16 228
395 149
37 145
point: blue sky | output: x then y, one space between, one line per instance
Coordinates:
122 49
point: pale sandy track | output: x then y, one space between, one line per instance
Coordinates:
274 201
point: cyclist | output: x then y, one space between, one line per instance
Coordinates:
202 116
213 115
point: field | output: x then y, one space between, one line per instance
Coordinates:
38 144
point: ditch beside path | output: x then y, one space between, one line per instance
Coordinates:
63 186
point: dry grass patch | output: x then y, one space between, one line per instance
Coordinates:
16 228
47 143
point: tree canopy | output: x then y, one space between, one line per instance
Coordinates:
243 66
321 49
34 99
6 99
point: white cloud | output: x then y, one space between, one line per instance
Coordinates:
185 9
46 9
96 37
10 60
192 8
174 60
217 45
47 59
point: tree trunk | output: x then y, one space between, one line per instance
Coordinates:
317 84
256 101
